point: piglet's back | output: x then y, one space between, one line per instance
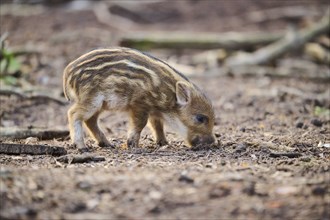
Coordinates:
122 72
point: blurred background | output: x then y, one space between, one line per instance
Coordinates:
197 35
263 63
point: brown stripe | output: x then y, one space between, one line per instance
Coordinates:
165 66
96 52
135 56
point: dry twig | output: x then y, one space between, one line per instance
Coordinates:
81 158
31 149
21 133
285 154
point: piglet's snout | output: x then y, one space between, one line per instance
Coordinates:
203 140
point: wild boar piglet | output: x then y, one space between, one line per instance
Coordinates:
148 89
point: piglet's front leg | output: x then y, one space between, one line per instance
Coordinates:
137 121
157 128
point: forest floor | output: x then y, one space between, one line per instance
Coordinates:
271 160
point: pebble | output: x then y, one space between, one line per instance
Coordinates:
319 191
84 185
79 207
185 178
305 159
31 140
240 148
156 195
299 124
242 129
316 122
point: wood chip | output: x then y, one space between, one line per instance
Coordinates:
80 158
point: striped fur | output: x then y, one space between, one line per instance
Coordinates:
122 60
129 80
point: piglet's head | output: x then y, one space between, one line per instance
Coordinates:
196 113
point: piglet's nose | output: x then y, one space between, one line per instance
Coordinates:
208 139
203 140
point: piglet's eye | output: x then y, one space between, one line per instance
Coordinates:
201 118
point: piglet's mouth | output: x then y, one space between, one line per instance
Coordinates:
203 147
202 140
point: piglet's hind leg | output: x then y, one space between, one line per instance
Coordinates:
95 131
76 130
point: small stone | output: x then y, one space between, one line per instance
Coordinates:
219 192
156 195
327 145
185 178
254 157
210 165
249 189
319 191
286 190
306 159
240 148
31 140
217 134
84 185
316 122
299 124
155 209
79 207
20 212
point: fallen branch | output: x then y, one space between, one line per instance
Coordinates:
80 158
184 40
22 133
291 41
290 12
31 149
21 95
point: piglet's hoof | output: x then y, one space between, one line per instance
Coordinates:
137 150
132 144
162 142
106 145
83 150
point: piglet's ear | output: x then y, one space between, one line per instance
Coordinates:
183 93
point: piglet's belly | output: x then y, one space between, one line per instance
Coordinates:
110 102
115 102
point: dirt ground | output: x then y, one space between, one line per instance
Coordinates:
270 160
